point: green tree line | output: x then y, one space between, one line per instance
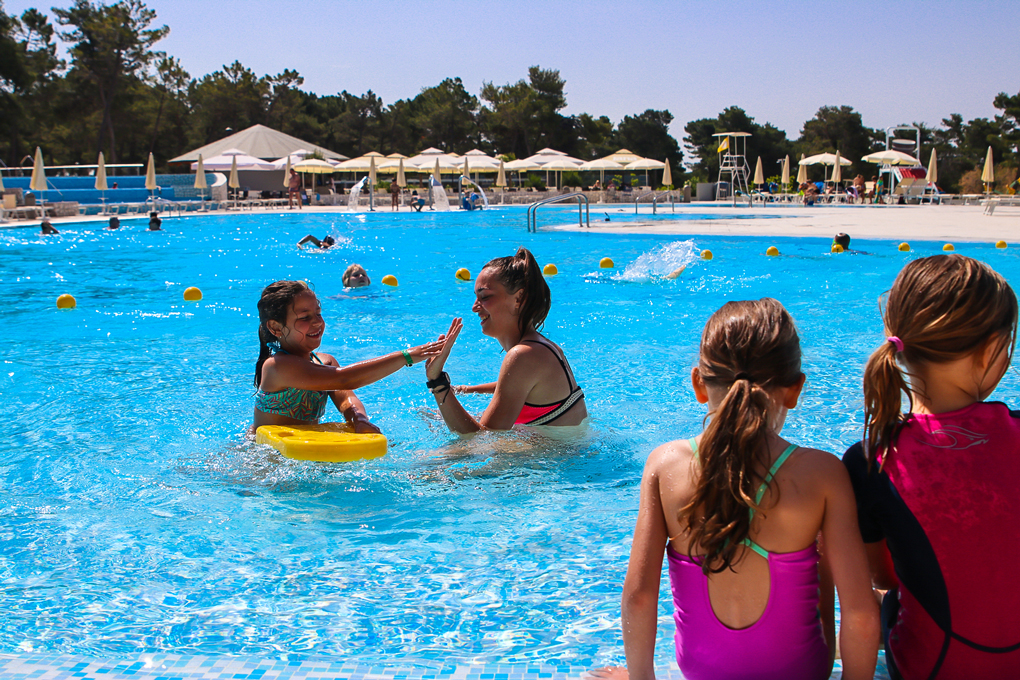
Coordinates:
117 93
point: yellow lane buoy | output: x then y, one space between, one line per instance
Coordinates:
948 247
606 263
706 255
462 275
837 248
550 270
66 301
904 247
326 442
772 251
389 280
1000 244
192 294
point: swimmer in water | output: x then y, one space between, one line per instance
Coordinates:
47 228
355 276
326 242
294 382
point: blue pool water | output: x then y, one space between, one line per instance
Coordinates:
138 518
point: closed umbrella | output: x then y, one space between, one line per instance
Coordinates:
801 171
401 180
837 169
371 183
233 182
38 182
667 177
759 174
200 182
2 180
933 169
987 174
467 168
286 174
501 175
785 179
436 172
150 178
101 183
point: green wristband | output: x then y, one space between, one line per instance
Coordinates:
407 357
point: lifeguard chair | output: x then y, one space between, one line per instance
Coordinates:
733 164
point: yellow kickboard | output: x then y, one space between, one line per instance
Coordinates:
326 442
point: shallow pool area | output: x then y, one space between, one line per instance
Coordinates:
138 519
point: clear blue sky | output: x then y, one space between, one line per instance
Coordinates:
894 62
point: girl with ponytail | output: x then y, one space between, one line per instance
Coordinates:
742 515
536 385
936 484
294 382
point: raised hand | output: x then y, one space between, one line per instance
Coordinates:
429 349
435 364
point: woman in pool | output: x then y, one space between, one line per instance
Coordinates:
936 485
293 381
741 514
535 384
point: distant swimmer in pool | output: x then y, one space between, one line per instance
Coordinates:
843 239
536 385
755 529
293 381
355 276
47 228
325 243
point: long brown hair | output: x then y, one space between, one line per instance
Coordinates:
940 308
749 347
521 271
277 299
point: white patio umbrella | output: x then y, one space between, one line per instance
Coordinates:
481 162
801 171
785 179
200 182
150 177
521 165
233 182
313 166
933 169
987 174
759 175
890 157
645 164
227 159
603 164
667 176
837 169
560 164
361 163
293 157
101 183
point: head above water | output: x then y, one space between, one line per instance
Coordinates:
939 309
842 239
749 372
520 272
355 276
277 299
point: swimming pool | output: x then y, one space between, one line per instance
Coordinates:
137 518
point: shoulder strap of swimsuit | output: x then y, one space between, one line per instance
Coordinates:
761 492
316 357
694 446
563 365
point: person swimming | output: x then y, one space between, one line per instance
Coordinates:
294 382
536 385
325 243
355 276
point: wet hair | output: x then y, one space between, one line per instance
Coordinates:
349 272
941 308
843 240
277 299
521 272
749 348
328 241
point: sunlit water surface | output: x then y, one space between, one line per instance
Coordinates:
138 517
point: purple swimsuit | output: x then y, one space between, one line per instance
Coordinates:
786 643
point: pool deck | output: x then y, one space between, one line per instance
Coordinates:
893 222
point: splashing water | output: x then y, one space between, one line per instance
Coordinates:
660 262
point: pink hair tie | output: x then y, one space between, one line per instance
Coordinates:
897 343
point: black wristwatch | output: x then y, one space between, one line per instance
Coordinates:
442 381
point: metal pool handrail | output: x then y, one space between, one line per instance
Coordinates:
581 221
655 200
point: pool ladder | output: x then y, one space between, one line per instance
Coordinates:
655 200
583 219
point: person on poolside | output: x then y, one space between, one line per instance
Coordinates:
859 186
394 195
536 385
294 189
155 224
47 228
114 223
355 276
417 202
326 242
